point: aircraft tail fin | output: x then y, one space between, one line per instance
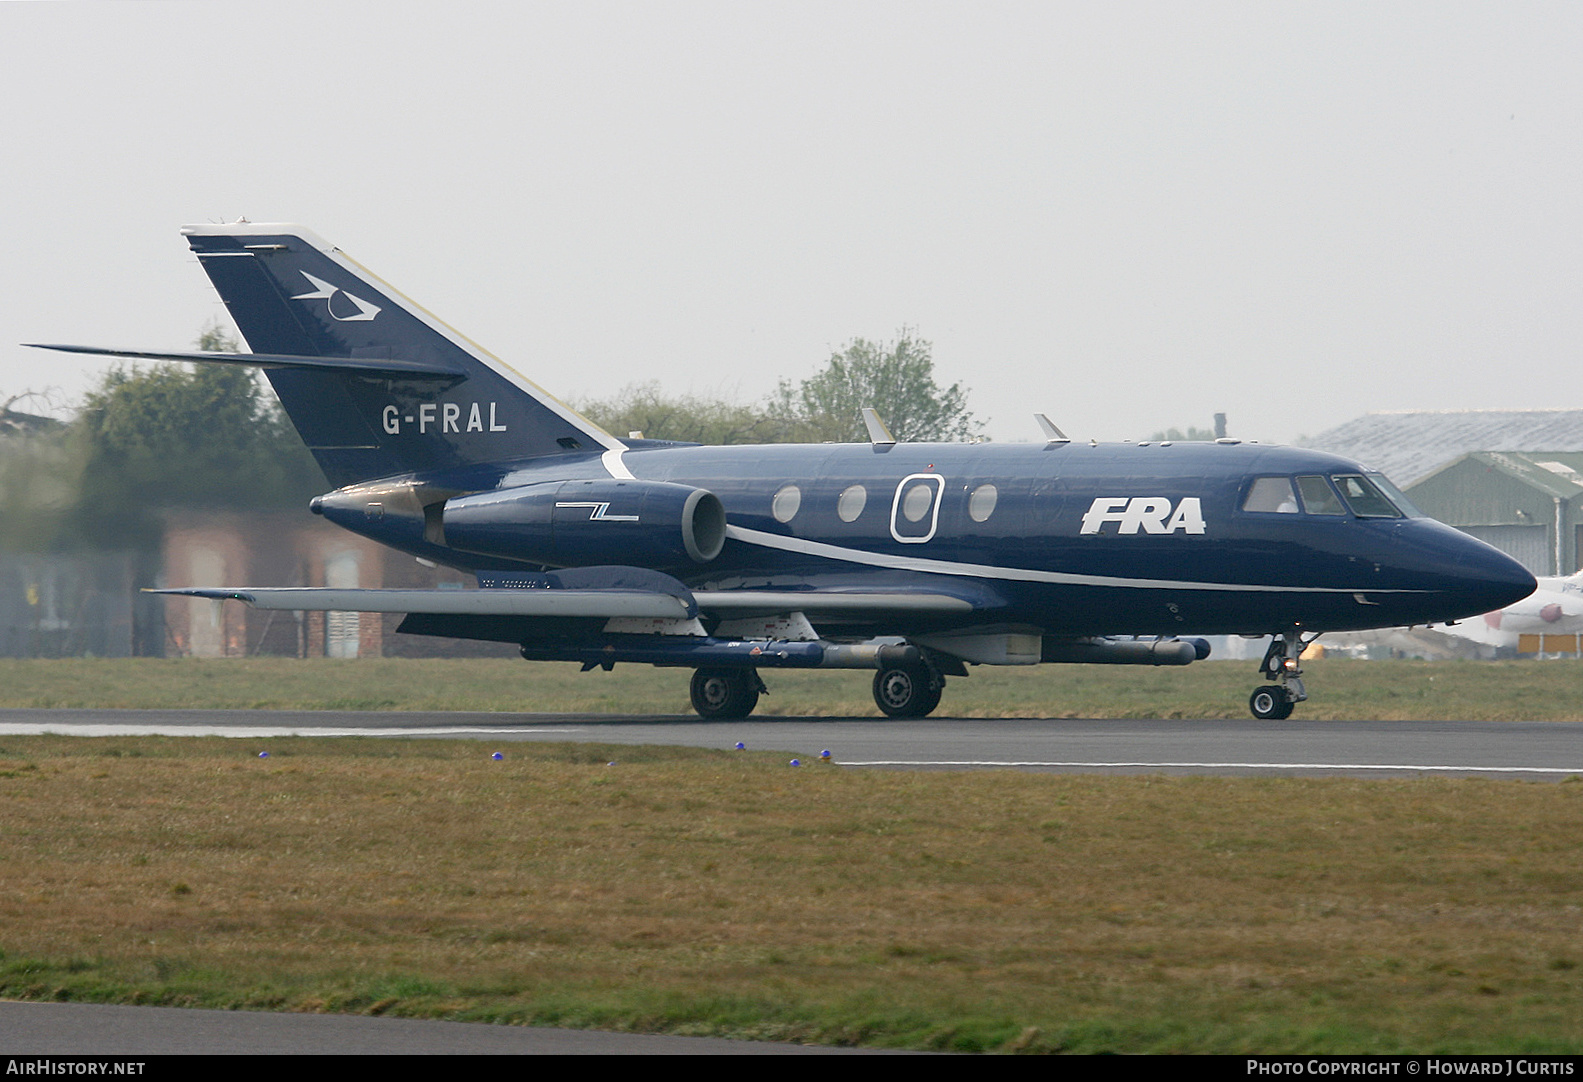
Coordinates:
293 296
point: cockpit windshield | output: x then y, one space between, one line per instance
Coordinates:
1372 496
1366 495
1318 497
1270 494
1396 496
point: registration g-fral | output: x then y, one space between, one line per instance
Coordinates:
1150 514
442 417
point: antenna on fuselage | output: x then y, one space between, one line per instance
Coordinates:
1051 433
878 434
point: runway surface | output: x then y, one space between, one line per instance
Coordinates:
96 1029
1532 750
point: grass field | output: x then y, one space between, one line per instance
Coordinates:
701 892
697 892
1344 690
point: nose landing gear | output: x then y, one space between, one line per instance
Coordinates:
1274 701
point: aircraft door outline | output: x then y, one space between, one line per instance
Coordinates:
917 501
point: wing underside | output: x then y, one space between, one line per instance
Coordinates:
751 628
610 604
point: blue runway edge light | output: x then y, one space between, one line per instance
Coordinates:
796 762
263 755
497 757
741 746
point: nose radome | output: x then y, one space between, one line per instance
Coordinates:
1494 580
1465 576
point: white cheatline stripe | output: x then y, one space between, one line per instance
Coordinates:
1020 574
250 732
1223 766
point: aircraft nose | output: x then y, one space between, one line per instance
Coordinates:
1452 575
1489 579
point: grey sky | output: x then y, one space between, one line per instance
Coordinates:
1129 216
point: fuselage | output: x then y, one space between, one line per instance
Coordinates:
911 559
1069 539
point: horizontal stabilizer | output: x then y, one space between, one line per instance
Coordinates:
567 603
374 367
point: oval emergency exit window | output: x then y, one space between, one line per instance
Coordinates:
915 512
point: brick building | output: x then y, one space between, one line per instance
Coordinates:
291 549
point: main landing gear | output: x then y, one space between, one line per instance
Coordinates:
905 690
726 693
1274 702
908 691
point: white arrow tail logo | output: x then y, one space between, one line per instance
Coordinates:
326 292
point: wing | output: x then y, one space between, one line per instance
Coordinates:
654 620
609 604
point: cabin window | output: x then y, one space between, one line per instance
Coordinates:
784 505
851 503
915 504
1271 494
915 510
1318 497
981 504
1365 497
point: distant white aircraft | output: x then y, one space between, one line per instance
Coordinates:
1554 610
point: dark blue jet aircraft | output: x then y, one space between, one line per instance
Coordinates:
914 560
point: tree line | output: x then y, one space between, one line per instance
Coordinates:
146 439
896 378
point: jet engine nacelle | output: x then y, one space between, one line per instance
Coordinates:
583 523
